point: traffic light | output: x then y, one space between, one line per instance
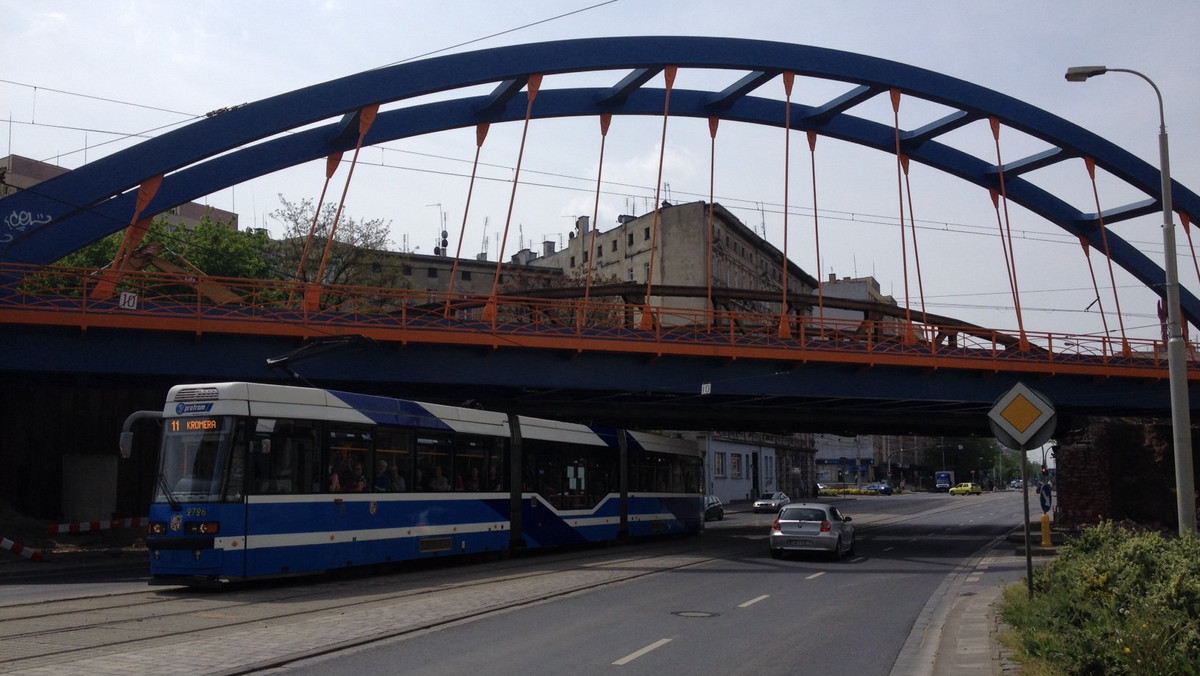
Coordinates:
1044 471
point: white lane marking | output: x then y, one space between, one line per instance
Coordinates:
751 602
633 656
888 549
815 575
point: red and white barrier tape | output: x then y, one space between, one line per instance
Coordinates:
18 548
85 526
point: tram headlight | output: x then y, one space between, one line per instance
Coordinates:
158 527
202 527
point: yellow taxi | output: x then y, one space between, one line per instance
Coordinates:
967 489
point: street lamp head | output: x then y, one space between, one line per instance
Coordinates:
1081 73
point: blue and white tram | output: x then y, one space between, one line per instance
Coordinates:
261 480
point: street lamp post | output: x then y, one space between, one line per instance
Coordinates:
1181 424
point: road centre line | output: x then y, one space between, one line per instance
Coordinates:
634 655
815 575
751 602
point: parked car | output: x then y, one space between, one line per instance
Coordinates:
1015 483
967 489
771 502
811 527
713 509
881 488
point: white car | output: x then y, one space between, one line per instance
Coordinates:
771 502
812 527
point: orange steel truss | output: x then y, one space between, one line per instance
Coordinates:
158 301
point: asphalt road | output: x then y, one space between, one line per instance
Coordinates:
740 613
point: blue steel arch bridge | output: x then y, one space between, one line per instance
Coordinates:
626 355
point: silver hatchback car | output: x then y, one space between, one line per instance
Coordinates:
811 527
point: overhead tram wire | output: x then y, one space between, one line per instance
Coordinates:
498 33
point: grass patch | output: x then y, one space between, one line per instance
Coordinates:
1114 601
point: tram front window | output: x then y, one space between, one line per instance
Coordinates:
194 461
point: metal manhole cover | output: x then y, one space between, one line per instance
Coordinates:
693 613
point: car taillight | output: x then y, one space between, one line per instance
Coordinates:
826 526
775 526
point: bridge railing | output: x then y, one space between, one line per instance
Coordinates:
174 302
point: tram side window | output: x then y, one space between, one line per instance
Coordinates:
432 463
393 461
569 476
348 469
470 463
283 457
664 472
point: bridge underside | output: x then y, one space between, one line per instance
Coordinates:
625 390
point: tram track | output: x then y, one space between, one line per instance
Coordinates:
82 634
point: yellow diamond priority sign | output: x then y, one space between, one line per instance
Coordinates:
1022 418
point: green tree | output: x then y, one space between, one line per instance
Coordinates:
214 247
358 255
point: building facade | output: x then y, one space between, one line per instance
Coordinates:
679 256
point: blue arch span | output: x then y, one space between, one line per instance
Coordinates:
54 218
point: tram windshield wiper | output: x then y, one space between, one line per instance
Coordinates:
162 483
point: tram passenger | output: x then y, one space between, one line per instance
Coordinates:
358 483
397 481
439 481
419 481
335 483
383 479
473 479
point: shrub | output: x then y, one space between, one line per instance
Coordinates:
1114 601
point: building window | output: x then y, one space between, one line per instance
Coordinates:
719 465
614 245
600 252
631 274
406 270
646 235
630 242
585 256
735 465
431 273
572 261
466 275
646 271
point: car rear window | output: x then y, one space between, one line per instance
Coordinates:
803 515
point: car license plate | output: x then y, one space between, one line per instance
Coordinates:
799 543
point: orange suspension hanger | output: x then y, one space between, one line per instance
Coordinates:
366 117
1010 257
789 79
481 131
712 168
331 165
1091 169
489 310
647 322
138 227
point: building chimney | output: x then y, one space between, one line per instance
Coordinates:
833 276
547 248
582 224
